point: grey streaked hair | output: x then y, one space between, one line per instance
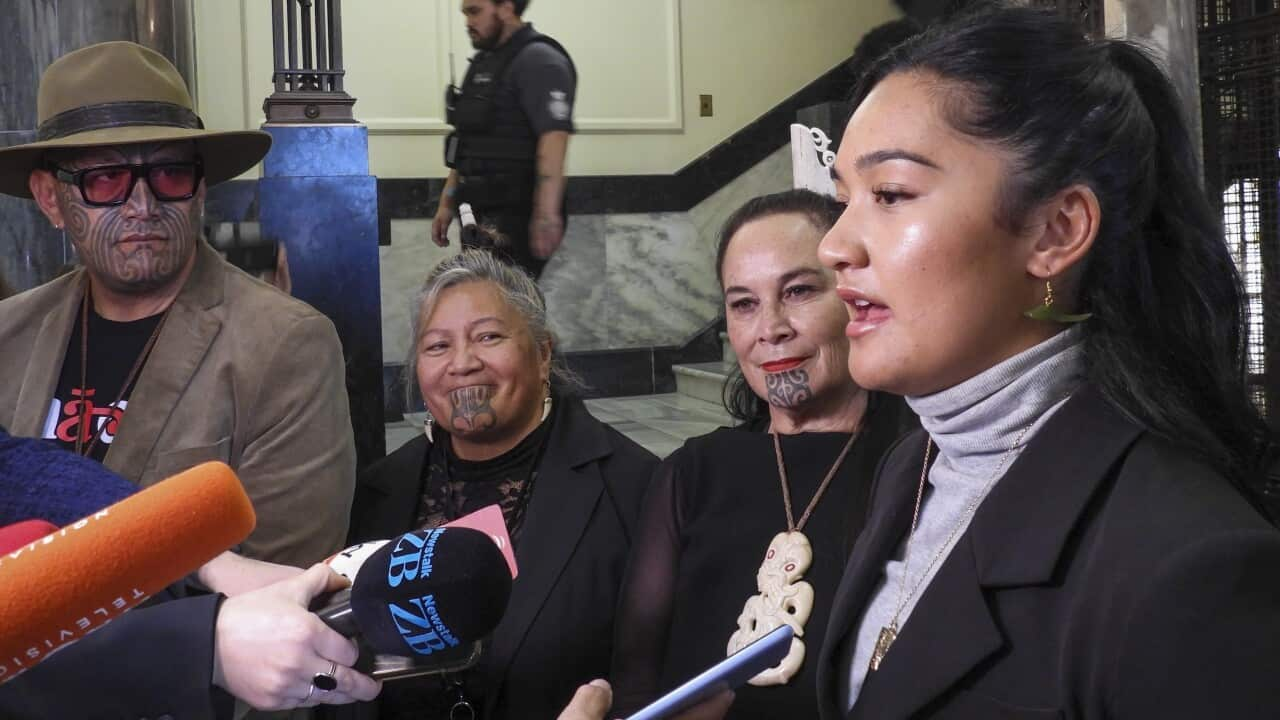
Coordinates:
519 291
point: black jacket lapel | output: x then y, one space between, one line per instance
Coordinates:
948 633
566 493
892 500
388 494
1021 529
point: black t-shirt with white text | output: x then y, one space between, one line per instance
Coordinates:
113 347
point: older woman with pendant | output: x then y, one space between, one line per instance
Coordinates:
504 433
1029 257
747 528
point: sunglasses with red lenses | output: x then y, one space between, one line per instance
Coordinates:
112 185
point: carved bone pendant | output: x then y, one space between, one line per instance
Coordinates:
784 599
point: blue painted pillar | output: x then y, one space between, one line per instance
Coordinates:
318 200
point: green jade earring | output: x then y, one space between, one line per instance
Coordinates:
1045 310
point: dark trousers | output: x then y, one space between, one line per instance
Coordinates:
513 224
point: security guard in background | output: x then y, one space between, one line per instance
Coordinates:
512 119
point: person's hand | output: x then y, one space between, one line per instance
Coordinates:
267 647
593 700
440 225
232 574
546 232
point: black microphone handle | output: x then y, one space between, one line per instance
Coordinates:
337 613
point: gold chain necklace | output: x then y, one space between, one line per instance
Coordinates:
889 633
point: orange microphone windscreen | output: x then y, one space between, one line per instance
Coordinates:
67 584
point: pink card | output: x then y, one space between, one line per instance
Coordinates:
488 520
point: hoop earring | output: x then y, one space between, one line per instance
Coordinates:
1046 312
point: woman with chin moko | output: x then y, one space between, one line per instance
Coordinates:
747 528
501 431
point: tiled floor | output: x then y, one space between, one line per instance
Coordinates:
660 423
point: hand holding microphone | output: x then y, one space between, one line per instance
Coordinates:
272 653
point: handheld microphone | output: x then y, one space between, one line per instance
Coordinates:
425 593
63 586
466 216
469 230
41 480
488 520
22 533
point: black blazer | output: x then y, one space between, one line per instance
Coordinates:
1107 575
558 629
152 662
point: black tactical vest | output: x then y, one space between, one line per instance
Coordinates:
489 138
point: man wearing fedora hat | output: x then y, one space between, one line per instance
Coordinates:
157 354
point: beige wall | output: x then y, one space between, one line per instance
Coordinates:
642 65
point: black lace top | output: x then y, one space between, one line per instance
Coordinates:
455 487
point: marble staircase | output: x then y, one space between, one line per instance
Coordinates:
705 381
661 423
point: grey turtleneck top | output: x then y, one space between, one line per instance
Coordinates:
973 426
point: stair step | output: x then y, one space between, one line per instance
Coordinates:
726 350
704 381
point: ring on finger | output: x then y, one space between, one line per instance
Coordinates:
325 681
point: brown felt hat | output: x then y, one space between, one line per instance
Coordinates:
118 93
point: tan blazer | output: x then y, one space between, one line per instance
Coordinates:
241 373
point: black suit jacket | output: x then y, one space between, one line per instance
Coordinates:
558 629
153 662
1107 575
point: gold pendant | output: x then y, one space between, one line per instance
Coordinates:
888 634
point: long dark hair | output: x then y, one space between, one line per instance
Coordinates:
1166 343
743 404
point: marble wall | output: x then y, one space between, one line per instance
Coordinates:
633 280
771 175
34 34
404 264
